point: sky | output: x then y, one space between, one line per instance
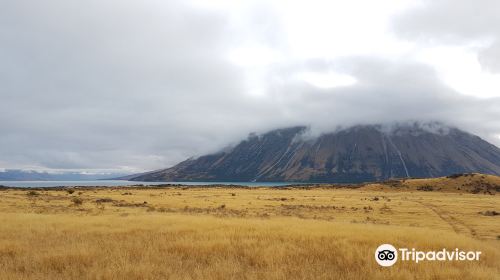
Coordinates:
136 85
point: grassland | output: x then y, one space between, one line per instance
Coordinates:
248 233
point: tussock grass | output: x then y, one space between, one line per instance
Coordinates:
184 233
180 246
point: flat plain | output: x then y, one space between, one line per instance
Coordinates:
308 232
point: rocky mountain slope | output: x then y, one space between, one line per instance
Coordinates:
357 154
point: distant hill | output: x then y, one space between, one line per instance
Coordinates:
463 183
357 154
32 175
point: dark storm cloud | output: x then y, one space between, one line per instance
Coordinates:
144 84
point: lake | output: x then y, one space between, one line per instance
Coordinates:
111 183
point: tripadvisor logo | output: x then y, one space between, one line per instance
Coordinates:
387 255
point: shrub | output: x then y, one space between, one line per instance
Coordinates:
77 201
103 200
32 193
490 213
476 190
454 176
425 188
70 191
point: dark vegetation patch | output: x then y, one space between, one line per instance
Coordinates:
490 213
310 207
425 188
279 199
77 201
393 183
377 198
221 211
367 208
458 175
104 200
32 193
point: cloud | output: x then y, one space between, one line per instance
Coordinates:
140 85
460 22
386 91
105 82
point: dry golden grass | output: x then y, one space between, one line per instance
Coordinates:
461 183
237 233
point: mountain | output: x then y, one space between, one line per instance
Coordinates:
32 175
353 155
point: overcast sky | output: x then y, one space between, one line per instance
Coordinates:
141 85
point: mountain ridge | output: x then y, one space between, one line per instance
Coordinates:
364 153
34 175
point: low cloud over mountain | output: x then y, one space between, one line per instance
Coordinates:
353 155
